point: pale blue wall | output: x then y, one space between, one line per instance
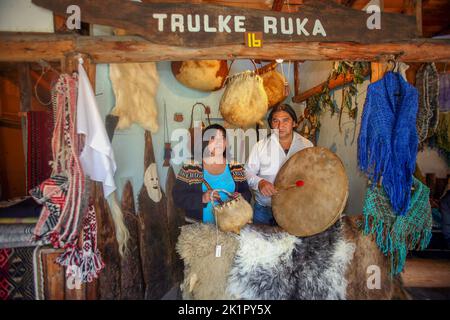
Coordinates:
129 144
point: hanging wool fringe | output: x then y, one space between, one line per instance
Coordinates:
122 233
443 131
395 235
427 83
88 260
64 194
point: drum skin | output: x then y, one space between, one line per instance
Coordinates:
312 208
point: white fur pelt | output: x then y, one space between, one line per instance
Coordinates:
135 86
280 266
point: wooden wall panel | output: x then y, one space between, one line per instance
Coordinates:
12 159
54 278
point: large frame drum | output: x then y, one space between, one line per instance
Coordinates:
317 204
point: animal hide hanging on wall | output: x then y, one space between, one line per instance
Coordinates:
135 86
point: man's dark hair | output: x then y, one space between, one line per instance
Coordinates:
282 107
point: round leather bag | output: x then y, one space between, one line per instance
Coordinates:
275 84
312 192
233 214
203 75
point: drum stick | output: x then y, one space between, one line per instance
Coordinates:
298 183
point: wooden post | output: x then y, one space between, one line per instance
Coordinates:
296 78
25 87
378 68
431 182
132 281
155 251
108 283
277 5
418 5
55 280
377 71
175 219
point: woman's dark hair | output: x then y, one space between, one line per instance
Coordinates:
210 132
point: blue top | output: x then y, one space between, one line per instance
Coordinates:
219 181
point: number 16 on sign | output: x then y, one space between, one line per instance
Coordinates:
253 39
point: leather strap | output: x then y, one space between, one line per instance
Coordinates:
208 186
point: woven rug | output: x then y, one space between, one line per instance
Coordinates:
39 131
16 274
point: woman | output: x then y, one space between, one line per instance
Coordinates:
194 184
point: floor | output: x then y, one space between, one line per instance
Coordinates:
427 275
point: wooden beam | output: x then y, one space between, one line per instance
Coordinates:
348 3
254 4
24 87
426 273
277 5
419 20
32 47
334 83
116 49
138 18
377 71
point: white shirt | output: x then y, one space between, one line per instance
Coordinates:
266 159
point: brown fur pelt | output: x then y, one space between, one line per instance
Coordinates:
135 86
205 276
366 254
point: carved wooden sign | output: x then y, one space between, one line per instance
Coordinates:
191 25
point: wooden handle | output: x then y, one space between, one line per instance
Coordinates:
297 184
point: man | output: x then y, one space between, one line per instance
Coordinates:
267 157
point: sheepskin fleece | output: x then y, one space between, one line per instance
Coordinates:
205 276
368 254
135 86
337 266
281 266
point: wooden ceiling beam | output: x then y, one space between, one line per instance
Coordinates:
277 5
114 49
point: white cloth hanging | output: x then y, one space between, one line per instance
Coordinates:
97 157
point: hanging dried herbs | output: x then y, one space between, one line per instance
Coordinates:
323 101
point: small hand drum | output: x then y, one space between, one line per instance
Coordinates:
307 208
